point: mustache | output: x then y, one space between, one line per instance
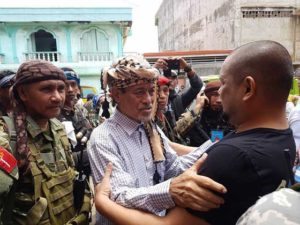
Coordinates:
146 107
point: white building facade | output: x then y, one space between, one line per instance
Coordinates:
185 25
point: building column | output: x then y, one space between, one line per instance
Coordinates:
68 42
12 31
120 41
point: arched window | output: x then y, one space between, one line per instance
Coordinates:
94 46
43 41
42 45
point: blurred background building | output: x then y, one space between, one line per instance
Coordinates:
188 25
85 39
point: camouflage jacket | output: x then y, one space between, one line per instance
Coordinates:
44 195
92 114
279 207
166 127
8 175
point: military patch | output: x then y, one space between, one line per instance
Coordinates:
7 161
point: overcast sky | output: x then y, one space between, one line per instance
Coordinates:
144 32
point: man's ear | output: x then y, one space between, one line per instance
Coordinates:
249 87
115 94
22 93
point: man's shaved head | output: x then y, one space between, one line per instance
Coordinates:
268 62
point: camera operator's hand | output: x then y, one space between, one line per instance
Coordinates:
183 63
186 67
161 64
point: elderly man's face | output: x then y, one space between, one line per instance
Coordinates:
136 101
44 99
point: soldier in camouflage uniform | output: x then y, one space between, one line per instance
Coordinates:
8 163
6 81
280 207
185 122
162 102
94 109
91 115
8 175
43 194
76 114
211 124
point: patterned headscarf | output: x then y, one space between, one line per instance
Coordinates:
29 72
128 71
125 72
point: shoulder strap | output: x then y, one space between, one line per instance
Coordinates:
63 138
12 133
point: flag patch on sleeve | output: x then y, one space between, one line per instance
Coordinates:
7 161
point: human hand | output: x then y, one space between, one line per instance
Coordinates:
103 189
201 101
183 63
190 190
161 64
101 119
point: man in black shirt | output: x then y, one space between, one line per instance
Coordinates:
257 158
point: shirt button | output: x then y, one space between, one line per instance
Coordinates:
146 158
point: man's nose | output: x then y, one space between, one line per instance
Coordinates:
70 88
219 99
147 98
56 96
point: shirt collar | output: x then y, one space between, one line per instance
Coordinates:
34 129
129 125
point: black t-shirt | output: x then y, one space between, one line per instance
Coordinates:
249 164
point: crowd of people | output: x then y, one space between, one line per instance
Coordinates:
156 155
